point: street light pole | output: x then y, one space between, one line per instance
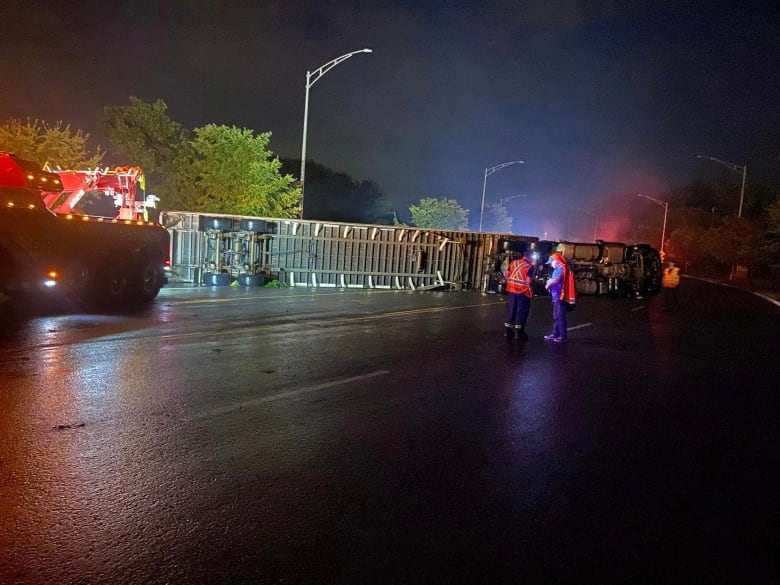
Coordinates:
665 205
488 172
737 169
311 79
595 215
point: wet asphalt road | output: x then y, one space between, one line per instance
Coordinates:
324 436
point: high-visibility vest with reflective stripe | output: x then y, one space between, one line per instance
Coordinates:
671 277
517 279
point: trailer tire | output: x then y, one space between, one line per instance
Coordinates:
220 224
251 279
258 226
216 279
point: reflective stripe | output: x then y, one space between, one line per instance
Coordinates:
517 281
671 277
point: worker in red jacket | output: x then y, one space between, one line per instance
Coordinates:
563 293
519 295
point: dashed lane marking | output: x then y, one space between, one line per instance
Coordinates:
287 394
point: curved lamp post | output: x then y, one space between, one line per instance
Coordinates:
665 205
595 215
311 79
737 169
489 172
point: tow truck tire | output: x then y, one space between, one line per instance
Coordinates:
116 282
110 288
149 280
77 277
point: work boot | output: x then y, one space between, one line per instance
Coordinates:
507 332
520 334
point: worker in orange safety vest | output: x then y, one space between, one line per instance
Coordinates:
519 294
670 280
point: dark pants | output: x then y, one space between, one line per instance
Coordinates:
518 307
670 297
559 320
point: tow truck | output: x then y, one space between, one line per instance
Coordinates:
99 262
105 192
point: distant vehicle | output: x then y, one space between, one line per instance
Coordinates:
99 262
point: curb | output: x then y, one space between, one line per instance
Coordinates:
775 301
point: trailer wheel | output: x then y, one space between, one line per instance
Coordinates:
222 224
251 279
216 279
259 226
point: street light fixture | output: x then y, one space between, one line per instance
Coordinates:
311 79
737 169
509 198
488 172
665 205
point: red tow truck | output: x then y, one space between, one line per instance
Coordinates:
100 262
107 192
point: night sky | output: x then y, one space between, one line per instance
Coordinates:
602 99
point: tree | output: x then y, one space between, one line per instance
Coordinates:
736 241
143 134
442 213
496 219
772 231
336 196
688 243
57 144
237 174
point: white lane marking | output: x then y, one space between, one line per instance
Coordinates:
767 298
335 320
579 326
639 308
288 394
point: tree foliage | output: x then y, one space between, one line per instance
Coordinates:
688 242
442 213
220 170
237 174
737 240
772 231
56 145
143 134
335 196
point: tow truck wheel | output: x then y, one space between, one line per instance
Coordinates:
115 282
149 280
